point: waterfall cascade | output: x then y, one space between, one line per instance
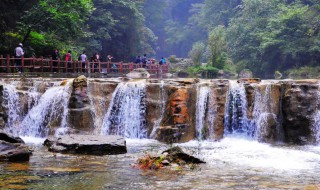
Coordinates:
205 112
162 109
44 111
126 113
316 119
236 113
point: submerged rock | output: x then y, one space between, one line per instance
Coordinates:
87 144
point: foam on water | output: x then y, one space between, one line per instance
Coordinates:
33 140
248 153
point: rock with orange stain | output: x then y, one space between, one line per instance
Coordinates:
177 124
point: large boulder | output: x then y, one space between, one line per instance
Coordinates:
138 73
300 103
79 97
13 149
87 144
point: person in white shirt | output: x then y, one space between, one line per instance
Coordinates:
18 54
83 61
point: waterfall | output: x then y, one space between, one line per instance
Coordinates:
162 109
264 115
205 112
316 119
11 103
51 109
236 116
126 113
95 105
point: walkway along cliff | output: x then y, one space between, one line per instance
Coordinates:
168 110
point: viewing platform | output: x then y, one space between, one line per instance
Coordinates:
44 66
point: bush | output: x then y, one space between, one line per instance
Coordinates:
173 59
304 72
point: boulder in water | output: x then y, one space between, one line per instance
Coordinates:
13 149
87 144
172 157
138 73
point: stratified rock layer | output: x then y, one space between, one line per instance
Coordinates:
87 144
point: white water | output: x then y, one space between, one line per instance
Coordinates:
263 110
11 103
244 153
316 120
162 97
205 112
52 106
126 113
236 119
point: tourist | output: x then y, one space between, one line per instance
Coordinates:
138 60
83 58
55 57
162 61
18 54
68 59
144 61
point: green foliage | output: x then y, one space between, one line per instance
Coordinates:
173 59
196 53
198 69
304 72
217 47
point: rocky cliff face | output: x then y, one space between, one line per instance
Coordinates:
275 110
300 104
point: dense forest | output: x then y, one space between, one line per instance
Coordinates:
263 36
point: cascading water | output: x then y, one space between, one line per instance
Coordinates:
96 105
126 113
236 116
204 112
264 112
316 119
162 109
11 103
52 106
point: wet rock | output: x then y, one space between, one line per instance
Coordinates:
176 154
79 96
14 152
10 139
249 80
182 74
139 73
13 149
87 144
245 73
171 158
299 105
177 125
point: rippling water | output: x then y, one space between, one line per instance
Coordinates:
232 163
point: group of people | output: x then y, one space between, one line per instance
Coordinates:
95 58
145 61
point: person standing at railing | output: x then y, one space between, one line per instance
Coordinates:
55 58
83 57
18 53
69 59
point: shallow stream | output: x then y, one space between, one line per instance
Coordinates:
233 163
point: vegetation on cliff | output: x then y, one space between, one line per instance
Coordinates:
263 36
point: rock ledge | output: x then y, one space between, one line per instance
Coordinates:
87 144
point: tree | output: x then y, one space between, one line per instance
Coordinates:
217 47
197 52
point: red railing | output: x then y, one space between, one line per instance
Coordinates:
8 65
